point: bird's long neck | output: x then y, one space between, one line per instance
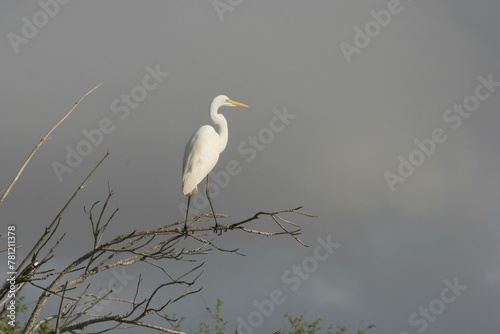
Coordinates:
221 123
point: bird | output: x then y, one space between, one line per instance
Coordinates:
202 152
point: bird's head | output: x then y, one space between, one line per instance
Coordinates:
224 101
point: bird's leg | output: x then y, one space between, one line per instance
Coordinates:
211 206
187 211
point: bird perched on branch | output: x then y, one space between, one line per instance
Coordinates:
202 152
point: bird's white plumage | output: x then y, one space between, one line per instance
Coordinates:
203 149
200 157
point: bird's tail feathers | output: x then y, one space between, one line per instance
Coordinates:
189 185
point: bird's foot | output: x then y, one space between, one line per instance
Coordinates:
217 227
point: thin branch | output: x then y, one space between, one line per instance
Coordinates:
79 310
35 248
55 222
291 233
43 140
59 312
46 236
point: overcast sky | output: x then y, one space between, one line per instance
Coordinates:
380 117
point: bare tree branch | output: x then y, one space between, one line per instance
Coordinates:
79 309
28 269
43 140
59 313
84 304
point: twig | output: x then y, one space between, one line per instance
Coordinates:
37 146
60 311
79 311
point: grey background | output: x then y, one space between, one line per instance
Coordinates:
352 122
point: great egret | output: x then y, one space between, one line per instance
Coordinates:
202 152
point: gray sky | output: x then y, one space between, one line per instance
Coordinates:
353 119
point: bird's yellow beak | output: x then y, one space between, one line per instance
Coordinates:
237 104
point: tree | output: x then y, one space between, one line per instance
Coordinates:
74 288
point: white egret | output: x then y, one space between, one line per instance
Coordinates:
202 152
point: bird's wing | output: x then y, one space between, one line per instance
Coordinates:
200 157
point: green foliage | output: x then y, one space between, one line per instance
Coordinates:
174 321
344 330
4 323
218 325
299 325
218 322
295 325
21 308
